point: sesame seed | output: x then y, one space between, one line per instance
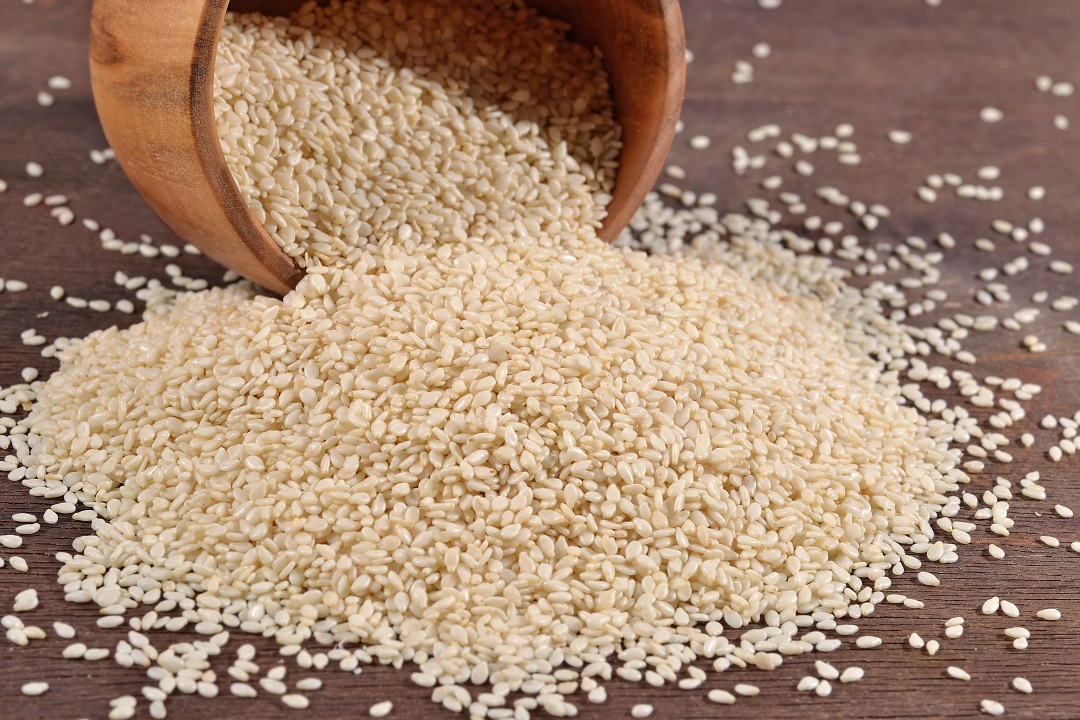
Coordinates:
991 115
700 142
34 170
852 673
641 710
381 709
957 673
900 137
25 600
992 707
721 697
295 701
826 670
35 688
1021 684
1051 614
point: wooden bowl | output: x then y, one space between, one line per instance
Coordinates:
152 72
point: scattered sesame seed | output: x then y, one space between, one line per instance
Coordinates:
991 115
295 701
852 673
381 709
35 688
957 673
1050 614
721 697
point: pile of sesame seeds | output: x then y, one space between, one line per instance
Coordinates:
754 247
441 120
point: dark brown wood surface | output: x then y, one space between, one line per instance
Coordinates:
878 65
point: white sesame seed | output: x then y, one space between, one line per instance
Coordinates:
928 578
295 701
826 670
25 600
35 688
1021 684
957 673
381 709
852 673
866 642
700 142
1050 614
641 710
34 170
991 115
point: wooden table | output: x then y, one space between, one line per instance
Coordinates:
878 65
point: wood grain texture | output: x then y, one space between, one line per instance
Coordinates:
883 65
151 70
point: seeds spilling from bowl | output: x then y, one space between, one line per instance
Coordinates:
438 119
491 446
